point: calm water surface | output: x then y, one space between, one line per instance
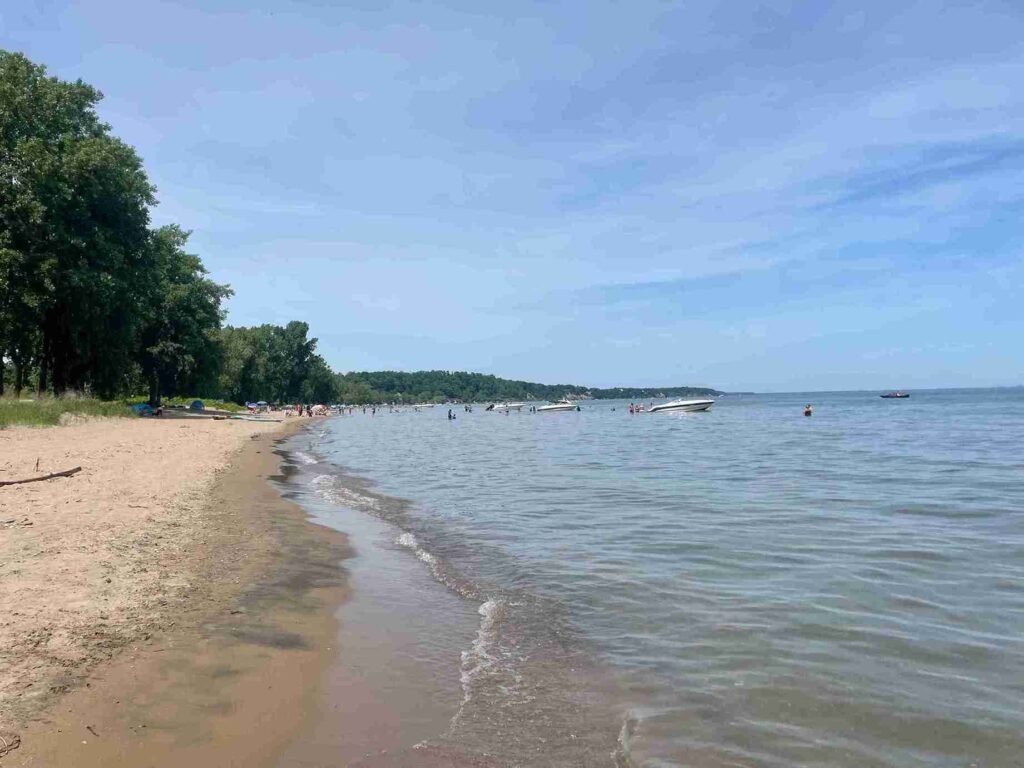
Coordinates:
744 587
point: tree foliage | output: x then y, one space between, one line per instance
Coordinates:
274 363
91 299
439 386
74 213
179 344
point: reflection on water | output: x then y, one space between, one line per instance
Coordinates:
768 589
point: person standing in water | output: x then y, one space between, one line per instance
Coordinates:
808 410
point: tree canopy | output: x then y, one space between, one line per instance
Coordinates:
74 213
274 363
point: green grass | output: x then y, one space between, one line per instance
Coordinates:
46 411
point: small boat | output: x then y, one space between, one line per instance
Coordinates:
683 406
895 395
559 405
508 406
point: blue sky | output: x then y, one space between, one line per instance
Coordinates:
746 195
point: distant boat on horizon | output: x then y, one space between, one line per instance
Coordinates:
895 395
558 405
685 406
506 407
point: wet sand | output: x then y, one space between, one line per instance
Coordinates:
396 681
230 678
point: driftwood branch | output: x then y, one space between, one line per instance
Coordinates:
65 473
9 742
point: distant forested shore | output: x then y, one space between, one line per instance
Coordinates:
96 301
441 386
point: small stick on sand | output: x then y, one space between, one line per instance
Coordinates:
9 742
65 473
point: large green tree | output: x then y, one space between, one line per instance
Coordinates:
74 211
274 363
179 347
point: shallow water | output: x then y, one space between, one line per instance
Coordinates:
744 587
395 679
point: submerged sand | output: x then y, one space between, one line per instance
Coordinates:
146 601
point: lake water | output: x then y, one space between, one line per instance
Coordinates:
742 587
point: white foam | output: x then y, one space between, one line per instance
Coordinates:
410 542
480 656
624 742
304 457
330 490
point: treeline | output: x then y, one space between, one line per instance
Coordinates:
95 300
275 364
440 386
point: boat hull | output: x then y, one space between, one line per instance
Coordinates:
555 408
683 406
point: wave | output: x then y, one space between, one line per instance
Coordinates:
481 655
305 458
410 542
526 679
331 490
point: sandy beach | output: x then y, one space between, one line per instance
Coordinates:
165 604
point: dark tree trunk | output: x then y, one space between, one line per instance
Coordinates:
19 377
57 352
3 373
44 364
154 390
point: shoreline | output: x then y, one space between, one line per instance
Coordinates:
441 668
243 666
228 673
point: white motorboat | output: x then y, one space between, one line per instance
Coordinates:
508 406
558 405
682 406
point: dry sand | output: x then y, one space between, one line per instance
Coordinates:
165 597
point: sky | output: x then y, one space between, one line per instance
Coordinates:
753 196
